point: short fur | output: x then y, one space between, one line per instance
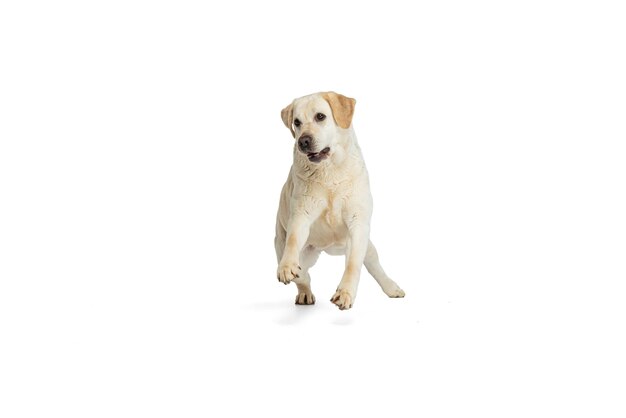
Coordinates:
326 205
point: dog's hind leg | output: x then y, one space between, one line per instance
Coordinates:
374 268
308 258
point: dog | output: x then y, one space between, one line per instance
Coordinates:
326 204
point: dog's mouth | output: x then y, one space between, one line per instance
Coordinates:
316 157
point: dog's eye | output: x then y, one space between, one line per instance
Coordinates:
320 117
297 123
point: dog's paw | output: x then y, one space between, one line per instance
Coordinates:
342 298
287 272
394 291
305 298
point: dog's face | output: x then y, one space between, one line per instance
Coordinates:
315 121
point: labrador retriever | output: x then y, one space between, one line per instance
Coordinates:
326 204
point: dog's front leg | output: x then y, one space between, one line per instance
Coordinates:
297 234
358 241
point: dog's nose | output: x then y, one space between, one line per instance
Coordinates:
305 142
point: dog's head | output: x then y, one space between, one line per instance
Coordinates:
315 122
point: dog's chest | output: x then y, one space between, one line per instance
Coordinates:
330 229
332 215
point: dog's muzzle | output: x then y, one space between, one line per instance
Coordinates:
306 145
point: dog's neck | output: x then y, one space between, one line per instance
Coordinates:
338 167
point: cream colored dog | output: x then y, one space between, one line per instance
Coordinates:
326 204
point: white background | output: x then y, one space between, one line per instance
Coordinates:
141 160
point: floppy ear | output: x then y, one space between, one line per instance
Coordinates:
287 115
342 107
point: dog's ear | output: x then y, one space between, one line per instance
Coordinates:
342 107
287 116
